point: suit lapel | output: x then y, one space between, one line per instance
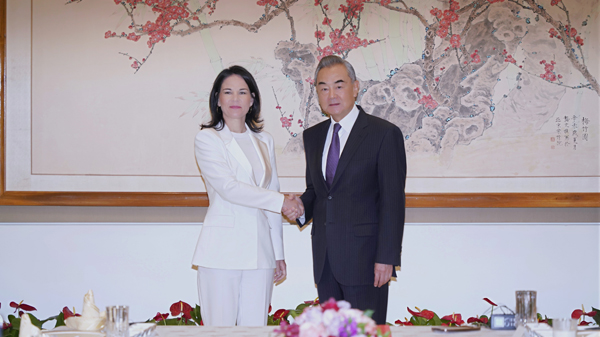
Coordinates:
263 153
320 137
357 134
236 151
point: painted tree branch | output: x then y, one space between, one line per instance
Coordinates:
567 41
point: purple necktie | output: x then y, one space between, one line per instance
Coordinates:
333 156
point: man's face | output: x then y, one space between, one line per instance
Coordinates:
336 91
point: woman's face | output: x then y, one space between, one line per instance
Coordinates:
235 98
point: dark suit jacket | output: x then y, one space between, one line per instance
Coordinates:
360 220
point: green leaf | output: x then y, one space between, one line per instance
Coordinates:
11 332
15 322
295 313
368 313
271 321
302 306
418 320
196 315
60 320
172 321
597 316
435 320
35 321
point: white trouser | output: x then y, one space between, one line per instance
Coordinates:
230 296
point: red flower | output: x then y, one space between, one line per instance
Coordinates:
490 301
68 313
22 306
424 313
405 323
326 21
330 304
442 32
554 2
181 307
159 317
455 319
267 2
429 102
576 314
281 314
455 40
315 302
450 15
436 12
579 40
483 320
320 35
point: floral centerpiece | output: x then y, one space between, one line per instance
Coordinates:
332 319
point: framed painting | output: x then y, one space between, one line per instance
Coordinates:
498 101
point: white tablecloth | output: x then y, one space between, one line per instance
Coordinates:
267 331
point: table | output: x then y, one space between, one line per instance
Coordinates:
267 331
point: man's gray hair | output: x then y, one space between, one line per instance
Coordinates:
330 61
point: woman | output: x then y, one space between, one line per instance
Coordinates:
240 249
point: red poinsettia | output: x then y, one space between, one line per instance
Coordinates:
423 313
22 306
160 317
180 307
455 319
68 313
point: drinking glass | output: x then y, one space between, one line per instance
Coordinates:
564 327
526 310
117 321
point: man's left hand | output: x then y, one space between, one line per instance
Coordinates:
383 274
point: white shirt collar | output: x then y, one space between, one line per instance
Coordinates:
348 121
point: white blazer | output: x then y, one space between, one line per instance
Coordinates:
239 205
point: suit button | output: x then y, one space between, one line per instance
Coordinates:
329 197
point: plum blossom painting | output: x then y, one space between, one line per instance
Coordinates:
490 92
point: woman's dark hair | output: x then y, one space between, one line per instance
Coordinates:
252 117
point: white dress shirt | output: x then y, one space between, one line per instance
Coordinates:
346 123
346 126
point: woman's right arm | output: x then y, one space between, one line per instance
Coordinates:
211 157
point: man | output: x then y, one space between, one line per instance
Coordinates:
355 176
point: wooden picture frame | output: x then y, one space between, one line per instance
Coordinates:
413 200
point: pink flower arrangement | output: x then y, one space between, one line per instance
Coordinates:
330 319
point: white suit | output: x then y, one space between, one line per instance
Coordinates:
240 207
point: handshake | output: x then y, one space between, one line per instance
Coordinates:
292 207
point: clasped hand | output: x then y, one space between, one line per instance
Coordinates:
292 207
